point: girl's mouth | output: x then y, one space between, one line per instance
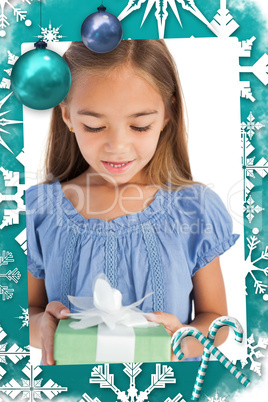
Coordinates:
116 167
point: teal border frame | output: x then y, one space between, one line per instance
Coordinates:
244 20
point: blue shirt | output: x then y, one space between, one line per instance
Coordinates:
157 250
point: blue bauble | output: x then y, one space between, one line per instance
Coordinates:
101 32
40 78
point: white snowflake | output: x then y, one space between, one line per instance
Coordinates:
248 130
50 34
24 317
6 258
259 69
12 58
6 82
22 240
11 216
31 389
161 13
250 208
216 398
6 292
250 266
21 157
18 13
223 24
254 352
164 375
14 353
12 275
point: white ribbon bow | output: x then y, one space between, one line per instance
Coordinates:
106 307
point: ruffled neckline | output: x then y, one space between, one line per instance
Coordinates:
156 208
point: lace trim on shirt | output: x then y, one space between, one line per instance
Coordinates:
111 259
155 266
66 269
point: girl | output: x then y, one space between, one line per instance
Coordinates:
120 199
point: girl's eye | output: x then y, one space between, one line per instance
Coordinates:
93 129
146 128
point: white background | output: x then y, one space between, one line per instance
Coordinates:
208 69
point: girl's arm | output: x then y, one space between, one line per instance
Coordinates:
44 318
209 303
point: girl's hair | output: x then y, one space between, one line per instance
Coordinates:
151 60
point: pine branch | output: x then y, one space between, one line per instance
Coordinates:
6 258
19 14
103 378
161 378
3 21
6 292
12 275
132 369
260 287
252 243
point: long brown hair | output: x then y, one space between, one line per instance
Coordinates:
151 60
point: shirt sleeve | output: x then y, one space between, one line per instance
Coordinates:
215 235
34 252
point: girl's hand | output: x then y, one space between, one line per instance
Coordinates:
53 313
170 322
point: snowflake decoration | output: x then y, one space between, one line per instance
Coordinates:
13 353
248 130
216 398
31 389
259 69
251 126
18 13
11 216
223 24
6 82
101 375
11 275
22 240
250 266
6 258
161 13
250 209
50 34
24 317
254 352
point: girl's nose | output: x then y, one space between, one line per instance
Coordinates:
117 141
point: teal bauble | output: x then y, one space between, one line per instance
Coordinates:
40 78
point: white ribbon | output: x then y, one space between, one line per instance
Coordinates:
106 307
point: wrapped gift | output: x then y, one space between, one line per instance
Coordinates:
99 344
108 332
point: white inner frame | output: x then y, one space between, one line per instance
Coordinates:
208 69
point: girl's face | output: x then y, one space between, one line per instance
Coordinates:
117 119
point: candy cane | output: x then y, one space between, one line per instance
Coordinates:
191 331
214 327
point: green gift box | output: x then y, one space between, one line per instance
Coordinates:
99 344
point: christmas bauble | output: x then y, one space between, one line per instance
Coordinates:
101 31
40 78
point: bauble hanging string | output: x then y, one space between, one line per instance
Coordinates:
101 32
40 78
